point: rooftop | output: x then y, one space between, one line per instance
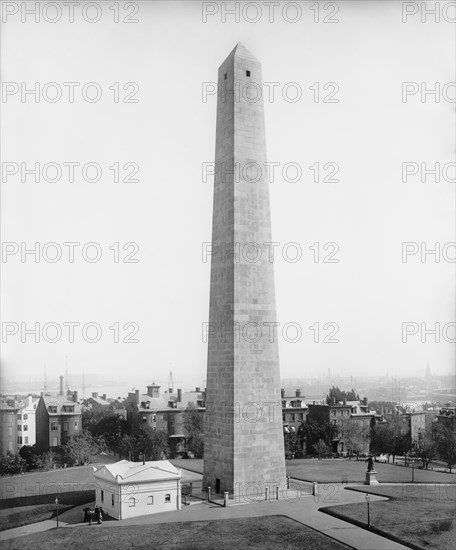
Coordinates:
127 471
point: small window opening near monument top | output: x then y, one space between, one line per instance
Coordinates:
247 73
226 76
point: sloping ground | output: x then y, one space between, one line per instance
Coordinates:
75 479
15 512
191 464
420 516
271 533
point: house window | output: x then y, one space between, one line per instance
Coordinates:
112 500
247 73
131 502
25 428
65 426
10 445
54 442
144 418
52 409
54 426
19 439
76 425
226 76
150 500
19 428
102 495
10 430
25 417
167 497
68 408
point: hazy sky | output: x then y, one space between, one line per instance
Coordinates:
170 133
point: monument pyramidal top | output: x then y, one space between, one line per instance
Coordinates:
241 51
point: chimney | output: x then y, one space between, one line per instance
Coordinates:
94 394
345 400
298 392
61 385
179 395
365 401
137 396
104 396
198 389
282 392
75 396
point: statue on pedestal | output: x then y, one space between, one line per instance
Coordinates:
370 473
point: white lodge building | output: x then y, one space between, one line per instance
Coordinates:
129 489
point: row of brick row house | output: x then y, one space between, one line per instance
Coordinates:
295 412
52 420
163 411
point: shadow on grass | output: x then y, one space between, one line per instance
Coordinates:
43 507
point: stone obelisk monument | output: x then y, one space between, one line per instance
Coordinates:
244 450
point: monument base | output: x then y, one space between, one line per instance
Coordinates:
370 478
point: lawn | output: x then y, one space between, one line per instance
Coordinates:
353 471
42 483
15 512
342 471
420 516
272 532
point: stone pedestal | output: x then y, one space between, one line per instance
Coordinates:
370 478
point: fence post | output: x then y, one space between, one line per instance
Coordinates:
226 499
208 493
315 489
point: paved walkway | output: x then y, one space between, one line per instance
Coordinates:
27 529
304 509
